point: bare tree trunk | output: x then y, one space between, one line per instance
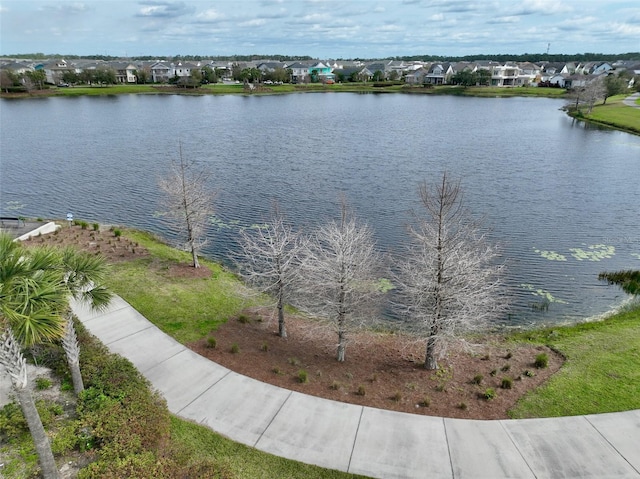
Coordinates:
282 329
341 347
38 434
430 360
72 351
12 359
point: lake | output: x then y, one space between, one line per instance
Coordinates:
561 197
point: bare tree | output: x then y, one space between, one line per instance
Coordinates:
449 282
269 260
339 264
189 202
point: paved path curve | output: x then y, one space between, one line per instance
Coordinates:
362 440
631 100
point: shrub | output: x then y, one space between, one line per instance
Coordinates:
43 383
361 390
277 370
117 232
463 406
528 373
95 226
243 318
303 376
542 361
493 372
477 379
507 383
335 385
264 347
235 349
212 342
397 397
426 402
293 361
490 394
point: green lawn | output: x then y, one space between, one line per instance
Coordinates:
617 114
601 374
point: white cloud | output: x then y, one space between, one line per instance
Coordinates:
209 16
544 7
258 22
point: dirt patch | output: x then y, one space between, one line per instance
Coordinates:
105 240
382 370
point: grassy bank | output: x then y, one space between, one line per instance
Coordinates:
602 373
615 114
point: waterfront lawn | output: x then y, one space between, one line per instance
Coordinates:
601 374
617 114
185 308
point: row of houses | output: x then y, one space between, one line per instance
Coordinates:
508 74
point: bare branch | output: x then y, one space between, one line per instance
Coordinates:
449 282
340 281
189 202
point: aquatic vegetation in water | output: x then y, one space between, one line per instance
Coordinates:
551 255
14 205
595 252
545 295
385 285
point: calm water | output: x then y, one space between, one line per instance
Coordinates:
543 181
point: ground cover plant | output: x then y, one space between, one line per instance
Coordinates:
119 427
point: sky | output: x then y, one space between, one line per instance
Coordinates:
329 29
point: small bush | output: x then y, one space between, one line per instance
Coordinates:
277 370
243 318
335 385
212 342
117 232
542 361
426 402
397 397
490 394
95 226
477 379
462 406
235 349
264 347
43 383
293 361
440 387
528 373
507 383
505 368
361 390
303 376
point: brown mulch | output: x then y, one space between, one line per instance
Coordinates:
381 370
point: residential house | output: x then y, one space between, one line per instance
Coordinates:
54 70
299 72
416 77
125 72
160 72
504 75
321 71
439 74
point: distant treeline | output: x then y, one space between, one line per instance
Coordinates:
528 57
503 57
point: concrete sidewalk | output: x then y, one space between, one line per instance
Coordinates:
362 440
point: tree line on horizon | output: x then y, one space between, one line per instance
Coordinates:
502 57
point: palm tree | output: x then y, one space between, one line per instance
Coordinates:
33 297
84 276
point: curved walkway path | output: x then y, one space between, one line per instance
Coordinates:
362 440
631 100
